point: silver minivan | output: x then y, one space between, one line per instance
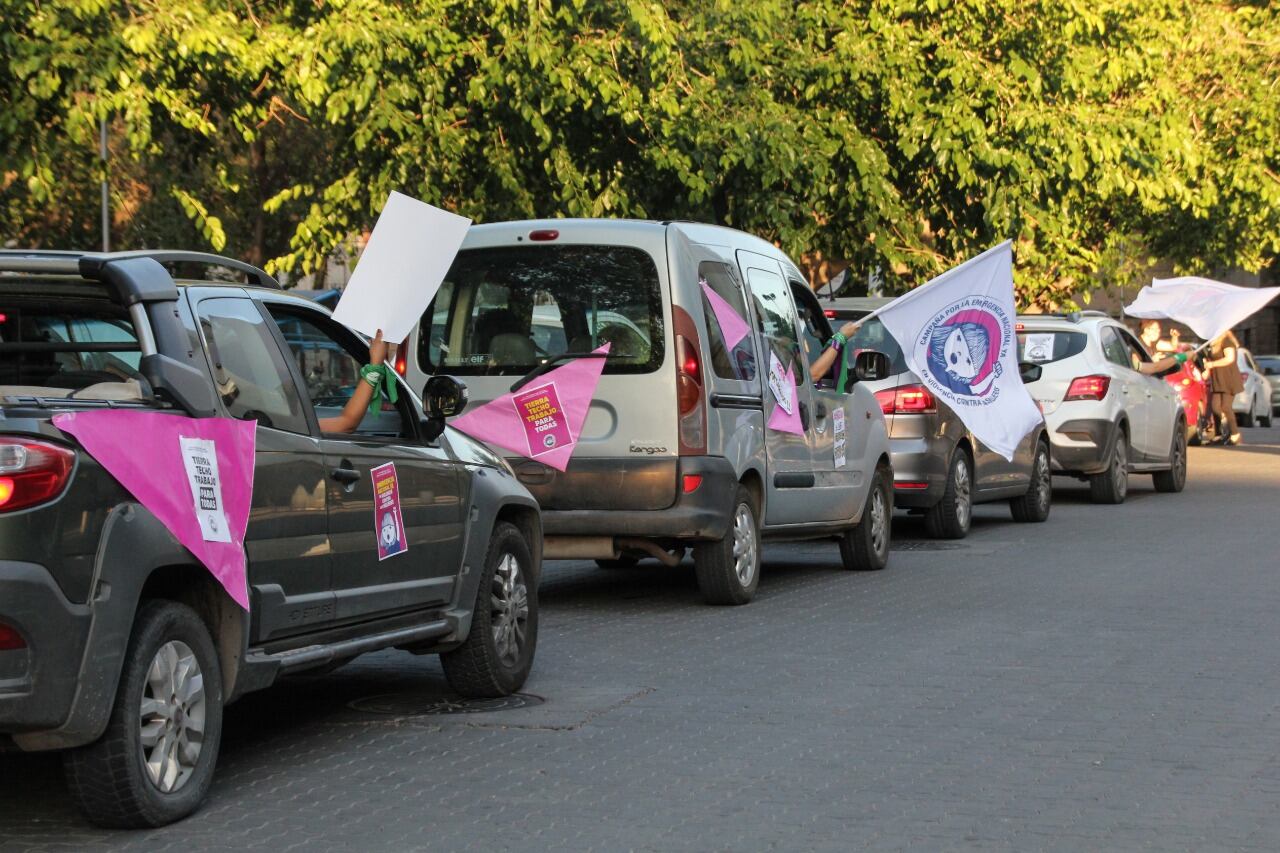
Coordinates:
675 451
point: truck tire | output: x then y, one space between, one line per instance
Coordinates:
497 655
1034 506
155 762
865 548
1176 477
1111 486
728 569
950 517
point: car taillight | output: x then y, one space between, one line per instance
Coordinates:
829 314
402 357
689 404
1088 388
907 400
691 483
32 472
10 639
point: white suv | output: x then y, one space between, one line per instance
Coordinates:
1105 418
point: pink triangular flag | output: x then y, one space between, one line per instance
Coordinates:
193 474
780 420
544 418
732 326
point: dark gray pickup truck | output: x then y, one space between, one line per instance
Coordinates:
116 645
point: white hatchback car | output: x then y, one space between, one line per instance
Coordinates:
1252 405
1105 418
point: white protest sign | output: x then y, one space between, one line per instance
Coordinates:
838 436
200 458
407 257
779 386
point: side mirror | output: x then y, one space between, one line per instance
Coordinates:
1030 372
443 397
869 365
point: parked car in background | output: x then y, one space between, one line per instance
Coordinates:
940 470
1253 405
675 452
1270 367
1106 419
116 645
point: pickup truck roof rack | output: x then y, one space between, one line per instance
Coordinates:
89 264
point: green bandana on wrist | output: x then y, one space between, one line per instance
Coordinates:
383 379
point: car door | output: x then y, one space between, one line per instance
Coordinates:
790 477
1132 393
838 438
287 540
1161 402
382 564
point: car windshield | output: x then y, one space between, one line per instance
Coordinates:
1042 346
68 348
507 310
872 335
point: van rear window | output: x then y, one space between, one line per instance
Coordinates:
68 348
504 311
1043 347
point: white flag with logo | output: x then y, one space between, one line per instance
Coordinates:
957 335
1208 307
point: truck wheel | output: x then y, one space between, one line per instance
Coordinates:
1111 486
950 517
865 548
154 763
1034 506
728 570
1176 477
497 655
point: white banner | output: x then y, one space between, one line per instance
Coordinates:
957 334
1208 307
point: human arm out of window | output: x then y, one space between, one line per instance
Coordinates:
354 410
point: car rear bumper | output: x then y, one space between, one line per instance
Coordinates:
919 471
38 683
703 513
1082 446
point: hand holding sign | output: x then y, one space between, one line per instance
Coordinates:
408 255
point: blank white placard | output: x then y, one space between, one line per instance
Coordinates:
406 259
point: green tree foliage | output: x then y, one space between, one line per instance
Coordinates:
904 135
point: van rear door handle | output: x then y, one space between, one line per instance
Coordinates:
346 476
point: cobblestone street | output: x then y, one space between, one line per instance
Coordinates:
1106 680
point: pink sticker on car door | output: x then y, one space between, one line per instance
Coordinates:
387 520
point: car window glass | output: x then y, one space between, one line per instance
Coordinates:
60 364
740 362
1113 348
248 369
1134 350
506 310
330 372
776 318
1045 347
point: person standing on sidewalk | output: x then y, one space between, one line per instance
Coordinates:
1225 382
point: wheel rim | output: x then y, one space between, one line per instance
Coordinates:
509 602
744 545
172 716
1121 472
879 522
963 490
1180 457
1043 482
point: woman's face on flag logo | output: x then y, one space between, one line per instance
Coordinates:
960 349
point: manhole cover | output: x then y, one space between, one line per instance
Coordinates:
419 705
925 546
